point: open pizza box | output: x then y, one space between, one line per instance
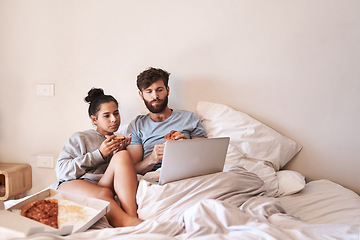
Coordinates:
76 214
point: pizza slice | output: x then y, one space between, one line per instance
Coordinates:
44 211
171 135
117 137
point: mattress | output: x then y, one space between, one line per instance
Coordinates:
324 202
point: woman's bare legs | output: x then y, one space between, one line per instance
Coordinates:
116 216
120 176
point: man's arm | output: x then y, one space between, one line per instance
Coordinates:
144 166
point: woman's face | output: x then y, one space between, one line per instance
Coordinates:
107 119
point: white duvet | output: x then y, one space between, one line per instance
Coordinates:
229 205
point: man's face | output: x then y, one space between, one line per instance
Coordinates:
155 96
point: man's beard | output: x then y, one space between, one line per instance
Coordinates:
159 108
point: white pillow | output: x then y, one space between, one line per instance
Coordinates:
252 138
290 182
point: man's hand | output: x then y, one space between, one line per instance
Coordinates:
181 137
156 155
143 166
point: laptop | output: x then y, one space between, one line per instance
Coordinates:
194 157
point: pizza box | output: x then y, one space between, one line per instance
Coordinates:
76 214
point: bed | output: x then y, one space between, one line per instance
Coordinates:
253 198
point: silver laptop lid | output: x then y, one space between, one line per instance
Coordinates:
195 157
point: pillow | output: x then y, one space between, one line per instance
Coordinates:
252 138
290 182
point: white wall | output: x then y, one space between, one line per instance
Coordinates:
290 64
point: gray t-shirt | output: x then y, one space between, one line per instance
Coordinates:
149 133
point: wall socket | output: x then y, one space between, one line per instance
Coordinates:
46 89
45 161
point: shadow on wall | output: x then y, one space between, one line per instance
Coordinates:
2 135
186 94
1 128
5 156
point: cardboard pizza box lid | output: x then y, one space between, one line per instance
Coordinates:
12 219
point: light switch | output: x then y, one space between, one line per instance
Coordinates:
45 161
47 89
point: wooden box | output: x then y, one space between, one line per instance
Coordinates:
15 178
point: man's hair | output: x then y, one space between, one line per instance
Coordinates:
151 75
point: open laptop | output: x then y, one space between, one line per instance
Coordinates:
190 158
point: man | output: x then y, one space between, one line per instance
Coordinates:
148 131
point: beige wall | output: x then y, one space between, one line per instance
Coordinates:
291 64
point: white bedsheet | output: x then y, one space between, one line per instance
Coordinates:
324 202
228 205
168 202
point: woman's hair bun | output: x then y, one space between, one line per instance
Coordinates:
93 94
95 98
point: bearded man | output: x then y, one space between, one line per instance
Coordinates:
148 131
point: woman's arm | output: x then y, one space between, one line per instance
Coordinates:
76 159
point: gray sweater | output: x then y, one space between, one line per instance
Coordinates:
80 158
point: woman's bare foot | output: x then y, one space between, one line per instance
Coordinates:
133 221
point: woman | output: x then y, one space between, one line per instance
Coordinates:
96 164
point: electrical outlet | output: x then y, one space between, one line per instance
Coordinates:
45 161
46 89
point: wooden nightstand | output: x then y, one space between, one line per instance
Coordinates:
15 178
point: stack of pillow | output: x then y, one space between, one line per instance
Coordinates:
254 146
